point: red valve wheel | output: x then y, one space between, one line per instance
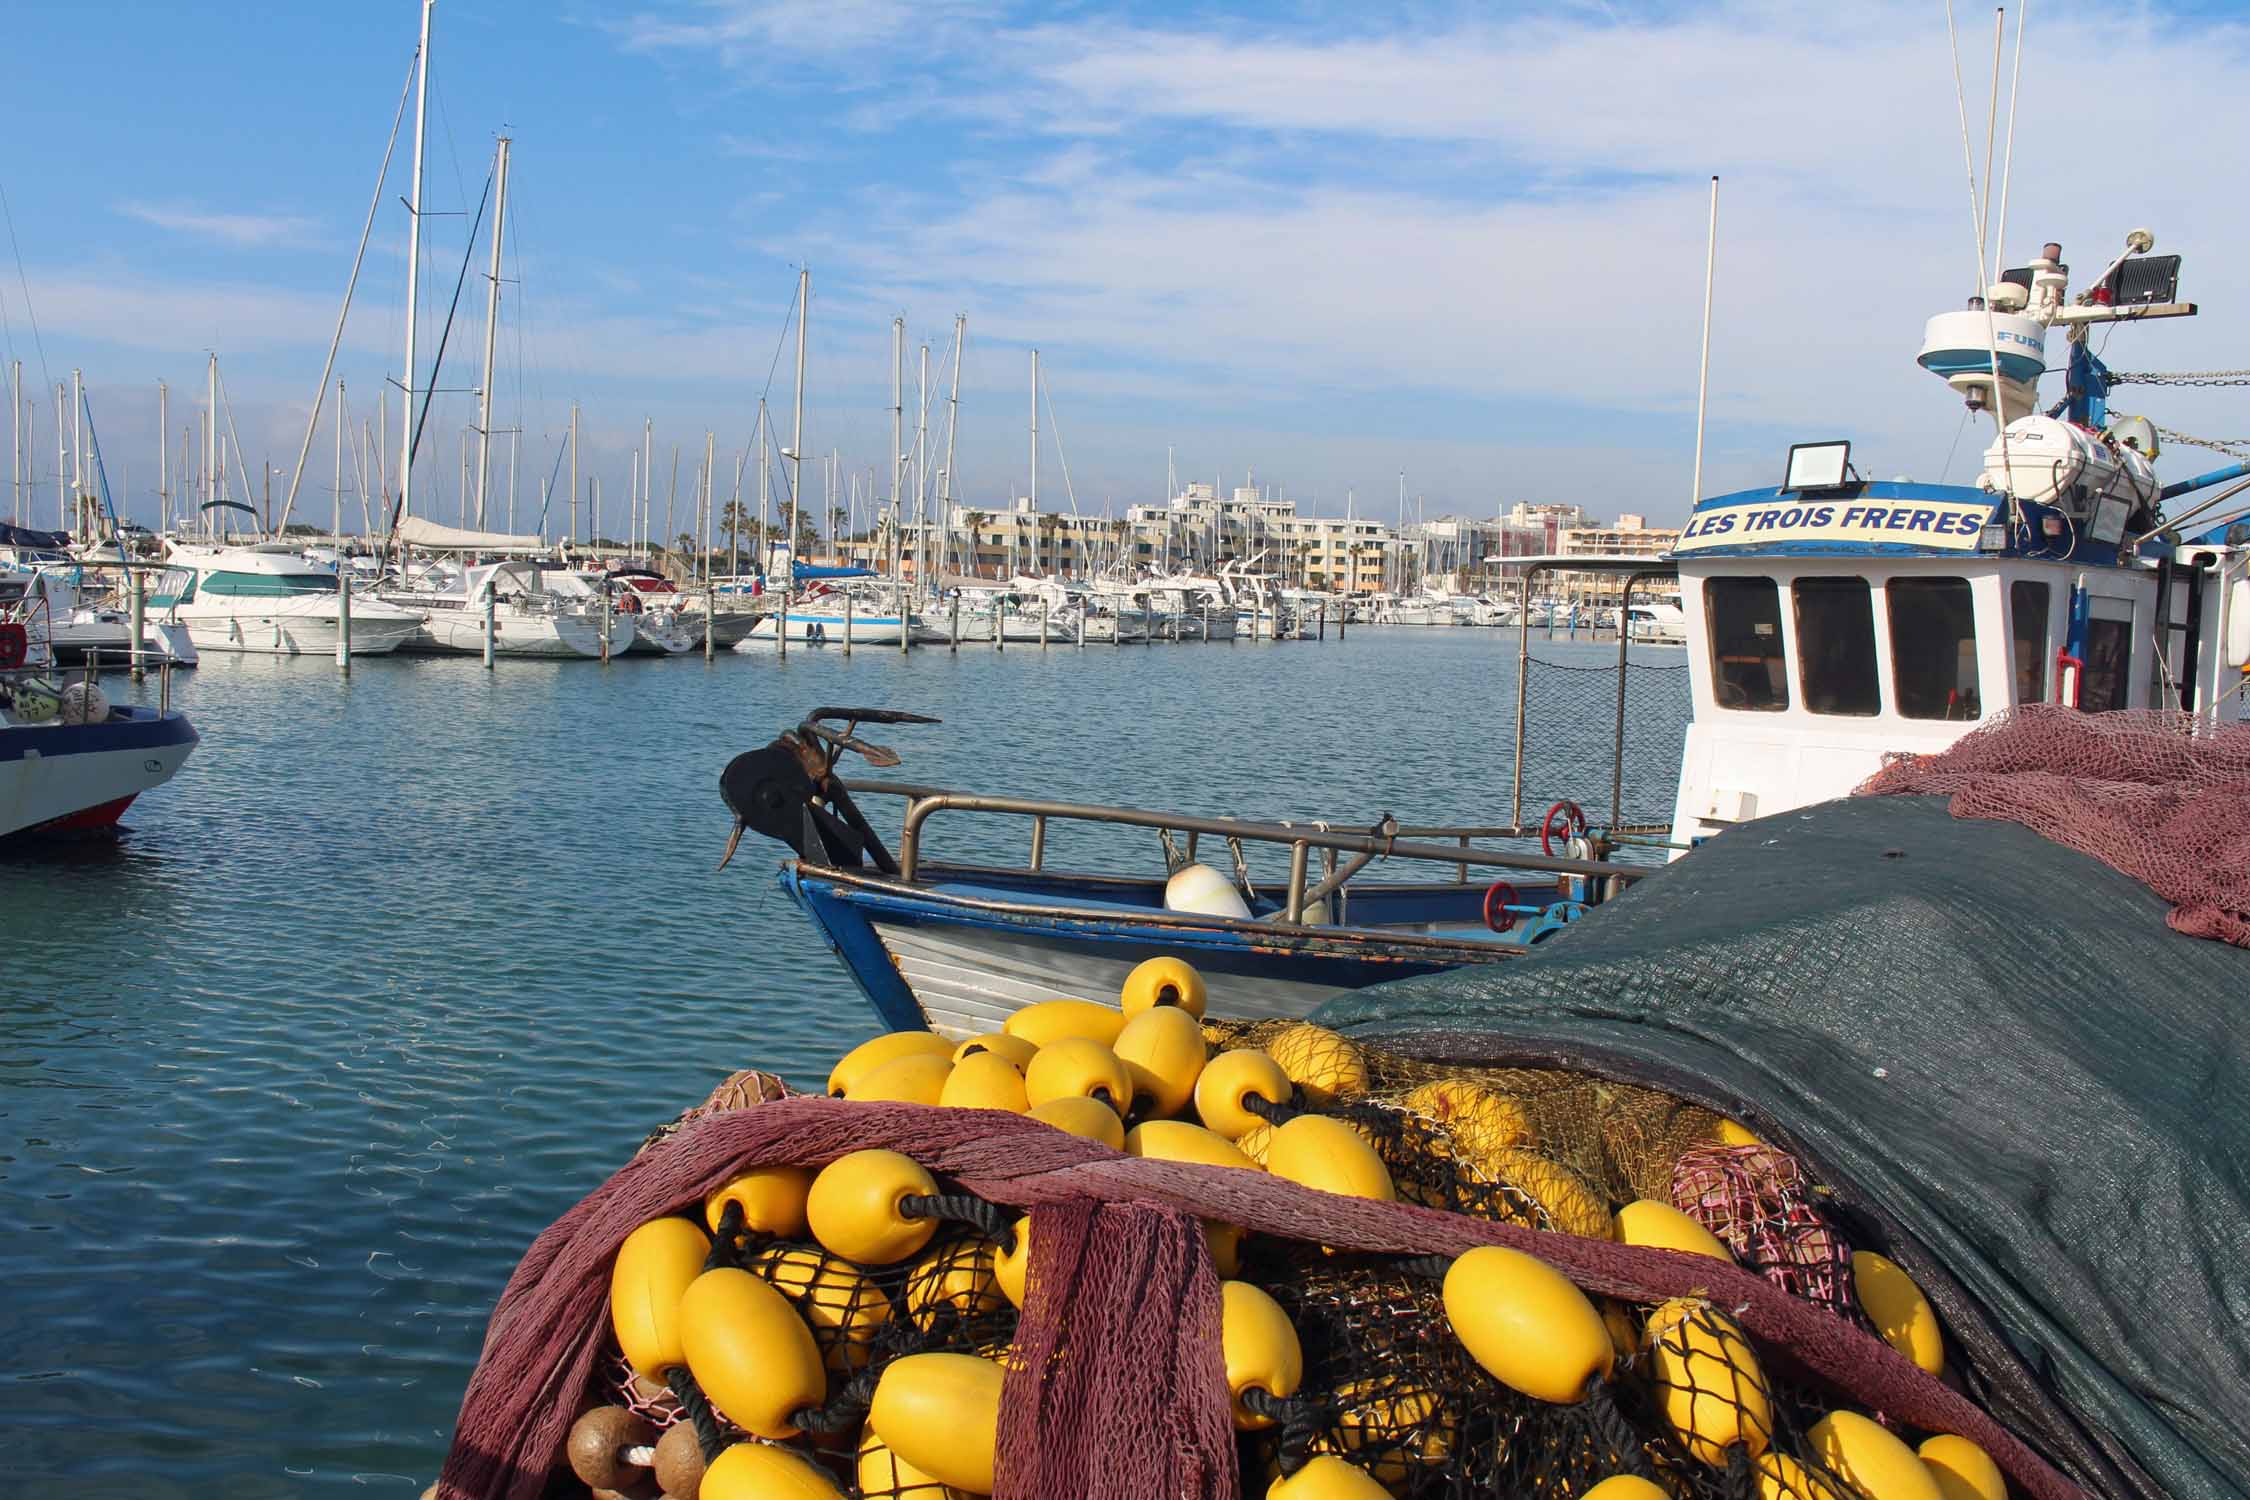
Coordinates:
1572 824
1497 900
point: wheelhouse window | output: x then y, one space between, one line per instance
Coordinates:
1934 648
2109 653
1836 646
2027 630
1747 669
269 585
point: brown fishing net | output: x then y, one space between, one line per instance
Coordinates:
2160 795
1115 1385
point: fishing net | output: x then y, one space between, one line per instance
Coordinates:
1710 1380
2161 795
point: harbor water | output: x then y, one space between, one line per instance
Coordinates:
404 963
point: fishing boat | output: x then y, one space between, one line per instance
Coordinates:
1830 621
71 762
265 599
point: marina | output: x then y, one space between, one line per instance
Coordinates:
1657 959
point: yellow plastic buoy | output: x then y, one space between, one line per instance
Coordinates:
1320 1062
750 1352
1660 1226
1260 1349
1862 1453
1478 1116
1328 1154
1014 1048
1090 1118
772 1199
1079 1068
1162 981
1899 1311
1393 1429
1708 1383
1052 1021
1627 1487
1734 1133
1162 1049
984 1080
1530 1327
917 1078
873 1053
1569 1200
1777 1476
957 1279
882 1472
1232 1077
1963 1470
1224 1241
842 1307
941 1413
1328 1478
1011 1266
853 1208
655 1266
760 1471
1176 1140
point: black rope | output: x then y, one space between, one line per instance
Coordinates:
1269 1111
1302 1420
843 1411
989 1219
699 1413
1426 1267
1738 1472
730 1245
1627 1452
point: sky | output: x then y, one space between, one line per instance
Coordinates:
1323 245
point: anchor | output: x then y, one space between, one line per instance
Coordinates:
788 790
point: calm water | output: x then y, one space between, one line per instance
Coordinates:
400 967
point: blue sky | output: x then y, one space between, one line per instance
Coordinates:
1328 243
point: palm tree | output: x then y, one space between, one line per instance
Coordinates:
734 520
974 520
838 518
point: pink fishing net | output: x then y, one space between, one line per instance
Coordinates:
2157 794
1115 1387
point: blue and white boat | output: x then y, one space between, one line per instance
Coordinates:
71 762
1829 621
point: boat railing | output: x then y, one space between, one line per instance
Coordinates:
1388 840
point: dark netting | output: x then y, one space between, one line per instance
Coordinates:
1987 1058
1571 723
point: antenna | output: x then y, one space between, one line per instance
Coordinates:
1703 376
2008 158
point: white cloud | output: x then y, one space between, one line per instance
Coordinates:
248 230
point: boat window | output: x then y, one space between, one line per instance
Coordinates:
1746 660
2027 627
2109 651
269 585
1836 646
1934 648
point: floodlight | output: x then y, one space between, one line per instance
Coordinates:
1818 466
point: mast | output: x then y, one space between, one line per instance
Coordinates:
572 534
898 440
414 262
922 474
1035 460
77 446
336 521
62 457
796 454
765 460
648 468
1703 374
491 330
952 430
708 455
15 431
163 463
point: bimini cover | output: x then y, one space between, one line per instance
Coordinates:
429 536
24 536
2024 1087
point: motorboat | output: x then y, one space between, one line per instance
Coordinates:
1656 624
72 762
527 617
265 598
832 615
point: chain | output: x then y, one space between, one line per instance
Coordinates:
2185 377
2232 447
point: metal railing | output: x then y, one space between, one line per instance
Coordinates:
1390 840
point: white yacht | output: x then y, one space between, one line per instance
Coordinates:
528 618
268 600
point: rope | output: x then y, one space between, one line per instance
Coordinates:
729 1246
963 1208
842 1412
699 1413
1626 1450
1302 1419
1270 1112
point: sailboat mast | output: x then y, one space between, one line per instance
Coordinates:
922 472
572 535
898 438
163 463
1035 460
414 262
952 430
709 455
491 329
797 432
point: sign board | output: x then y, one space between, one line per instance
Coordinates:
1945 525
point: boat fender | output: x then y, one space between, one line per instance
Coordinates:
1015 1049
751 1353
985 1080
873 1053
1202 891
1325 1153
1260 1348
1163 1050
1229 1081
917 1078
654 1268
941 1413
772 1200
856 1210
1052 1021
1163 981
1078 1068
1527 1324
